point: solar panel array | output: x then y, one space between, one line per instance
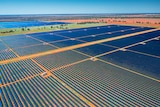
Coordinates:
27 24
123 72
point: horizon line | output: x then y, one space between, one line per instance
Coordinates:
78 13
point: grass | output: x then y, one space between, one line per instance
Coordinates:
27 30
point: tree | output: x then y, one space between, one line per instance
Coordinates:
23 29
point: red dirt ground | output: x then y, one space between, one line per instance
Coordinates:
127 21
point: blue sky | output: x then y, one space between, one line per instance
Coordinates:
78 6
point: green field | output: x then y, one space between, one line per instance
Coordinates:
27 30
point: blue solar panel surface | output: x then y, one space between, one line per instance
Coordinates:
27 24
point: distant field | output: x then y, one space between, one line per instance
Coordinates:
26 30
145 22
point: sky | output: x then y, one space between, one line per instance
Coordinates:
78 6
